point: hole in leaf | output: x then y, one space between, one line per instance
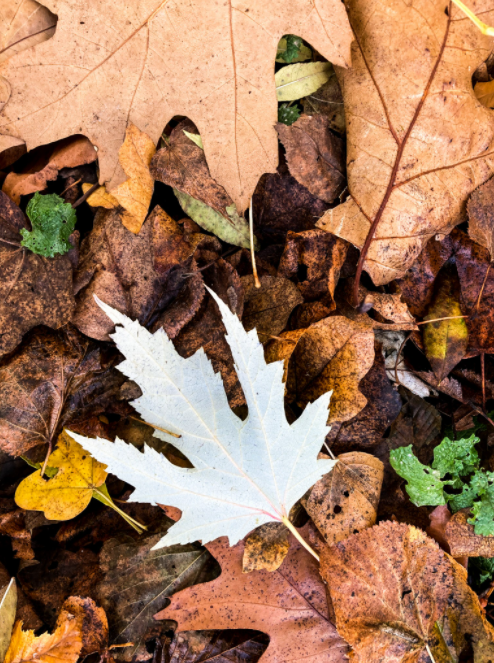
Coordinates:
337 509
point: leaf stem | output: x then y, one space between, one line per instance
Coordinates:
296 534
483 27
106 499
253 256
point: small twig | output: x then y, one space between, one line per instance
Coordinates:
6 241
483 27
70 186
168 432
253 257
83 198
452 317
300 538
482 370
329 450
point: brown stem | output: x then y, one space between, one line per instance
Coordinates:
482 370
83 198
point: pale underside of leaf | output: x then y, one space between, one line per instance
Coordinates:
246 473
111 63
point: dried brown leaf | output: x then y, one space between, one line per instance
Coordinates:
481 216
23 24
462 539
220 647
328 101
266 548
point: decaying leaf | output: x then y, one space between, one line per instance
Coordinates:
328 101
314 155
23 24
136 583
333 354
33 290
415 151
396 370
462 539
344 502
268 308
239 489
64 154
481 216
204 646
8 606
266 548
288 604
389 306
54 378
13 524
139 68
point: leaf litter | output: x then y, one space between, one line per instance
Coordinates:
218 387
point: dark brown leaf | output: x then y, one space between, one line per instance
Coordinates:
315 156
94 624
13 525
33 290
219 646
328 101
480 209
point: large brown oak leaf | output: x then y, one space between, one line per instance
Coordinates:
113 62
419 141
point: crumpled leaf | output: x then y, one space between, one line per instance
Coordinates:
8 606
53 221
389 306
54 378
462 539
415 152
136 583
67 493
268 308
445 341
138 67
314 155
328 101
33 290
266 548
344 502
396 369
258 487
333 354
299 80
394 592
23 24
64 154
288 604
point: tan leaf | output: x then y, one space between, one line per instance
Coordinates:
65 154
23 24
112 64
266 548
389 306
288 604
345 501
462 539
135 194
333 354
481 216
415 151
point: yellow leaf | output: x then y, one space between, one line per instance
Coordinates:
135 194
61 646
485 93
69 492
100 198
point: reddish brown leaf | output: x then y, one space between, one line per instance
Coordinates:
288 604
314 155
462 539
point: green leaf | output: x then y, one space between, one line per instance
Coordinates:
53 221
480 571
424 484
299 80
292 49
234 229
288 114
462 500
456 457
195 138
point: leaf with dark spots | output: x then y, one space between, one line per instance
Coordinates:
288 604
282 204
314 155
481 216
462 539
55 378
266 548
33 290
137 582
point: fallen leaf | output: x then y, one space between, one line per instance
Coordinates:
445 341
315 258
485 93
182 165
411 149
389 586
333 354
70 490
33 290
100 198
396 370
268 308
136 583
328 101
344 502
299 80
140 68
288 604
292 49
135 194
314 155
25 610
267 483
204 646
53 222
64 154
462 539
282 204
389 306
368 426
13 525
266 548
54 378
480 216
23 24
8 606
